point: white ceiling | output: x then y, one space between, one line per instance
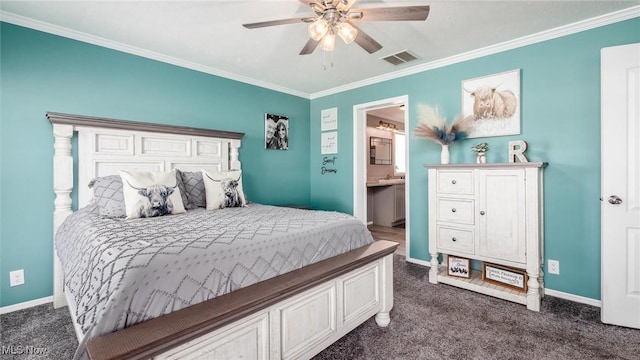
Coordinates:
208 35
394 114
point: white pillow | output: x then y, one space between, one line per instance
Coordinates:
223 189
149 194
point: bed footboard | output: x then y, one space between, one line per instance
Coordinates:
292 316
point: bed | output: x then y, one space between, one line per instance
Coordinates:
294 309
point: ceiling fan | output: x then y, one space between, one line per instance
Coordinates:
336 17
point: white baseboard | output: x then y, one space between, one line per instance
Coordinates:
572 297
549 292
417 261
25 305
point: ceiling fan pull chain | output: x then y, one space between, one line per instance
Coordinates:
324 59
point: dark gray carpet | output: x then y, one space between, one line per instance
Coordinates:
39 332
427 322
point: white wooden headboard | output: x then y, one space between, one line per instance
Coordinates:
106 146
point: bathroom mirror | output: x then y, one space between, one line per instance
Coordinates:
380 151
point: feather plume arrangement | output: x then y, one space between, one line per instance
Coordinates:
435 127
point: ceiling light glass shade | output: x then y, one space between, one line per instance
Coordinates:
318 29
347 32
328 42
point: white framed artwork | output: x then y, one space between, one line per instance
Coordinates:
494 103
329 143
458 266
329 119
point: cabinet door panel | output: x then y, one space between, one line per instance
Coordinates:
399 203
501 215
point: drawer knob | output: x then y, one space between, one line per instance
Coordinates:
453 210
454 239
481 212
453 182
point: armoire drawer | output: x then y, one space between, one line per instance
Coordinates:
455 210
455 239
455 182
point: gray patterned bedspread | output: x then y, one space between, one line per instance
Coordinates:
121 272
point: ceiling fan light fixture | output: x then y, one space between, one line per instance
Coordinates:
347 32
318 29
328 42
334 17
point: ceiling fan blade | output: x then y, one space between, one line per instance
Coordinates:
309 47
400 13
278 22
366 42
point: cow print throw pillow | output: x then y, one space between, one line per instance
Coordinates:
150 194
223 189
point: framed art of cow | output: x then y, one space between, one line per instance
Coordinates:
494 103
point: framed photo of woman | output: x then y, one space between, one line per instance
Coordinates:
276 132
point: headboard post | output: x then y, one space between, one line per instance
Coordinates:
234 162
62 186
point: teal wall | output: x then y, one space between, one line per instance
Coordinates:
560 110
40 72
560 90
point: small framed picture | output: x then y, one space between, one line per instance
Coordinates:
458 266
329 118
276 132
505 276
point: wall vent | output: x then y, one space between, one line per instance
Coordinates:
400 58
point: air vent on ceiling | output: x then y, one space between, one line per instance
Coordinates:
400 58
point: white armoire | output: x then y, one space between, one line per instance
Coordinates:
490 213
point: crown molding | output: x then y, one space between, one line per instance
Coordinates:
561 31
555 33
114 45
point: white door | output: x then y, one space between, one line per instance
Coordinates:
621 185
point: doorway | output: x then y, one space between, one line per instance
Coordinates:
361 153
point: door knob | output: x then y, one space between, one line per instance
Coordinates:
615 200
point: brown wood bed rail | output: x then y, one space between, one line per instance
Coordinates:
153 337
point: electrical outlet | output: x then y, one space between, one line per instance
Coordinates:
554 266
16 277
